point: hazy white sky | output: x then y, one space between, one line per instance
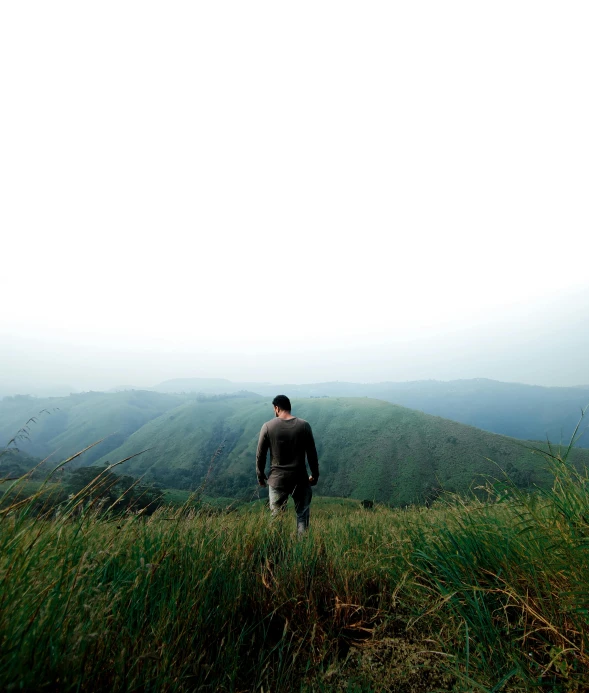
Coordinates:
175 175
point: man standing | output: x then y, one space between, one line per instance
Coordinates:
289 439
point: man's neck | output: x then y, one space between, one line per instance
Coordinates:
285 415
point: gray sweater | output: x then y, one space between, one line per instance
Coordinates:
288 440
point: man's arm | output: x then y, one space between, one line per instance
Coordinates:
263 445
312 454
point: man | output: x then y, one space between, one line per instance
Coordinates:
289 439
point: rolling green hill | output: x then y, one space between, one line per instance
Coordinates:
512 409
65 425
367 449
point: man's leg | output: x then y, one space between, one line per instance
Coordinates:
278 499
302 495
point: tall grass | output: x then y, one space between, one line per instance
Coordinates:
463 596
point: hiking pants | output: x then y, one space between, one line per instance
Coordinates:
301 494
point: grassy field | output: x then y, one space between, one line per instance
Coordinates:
464 596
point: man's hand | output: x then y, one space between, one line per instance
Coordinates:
262 483
312 480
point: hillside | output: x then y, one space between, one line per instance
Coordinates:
65 425
521 411
14 464
367 449
512 409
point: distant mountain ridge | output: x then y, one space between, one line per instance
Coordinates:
520 411
216 386
529 412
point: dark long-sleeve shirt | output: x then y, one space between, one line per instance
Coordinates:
289 441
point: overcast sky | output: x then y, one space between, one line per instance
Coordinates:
294 191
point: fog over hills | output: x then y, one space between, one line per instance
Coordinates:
541 341
513 409
519 411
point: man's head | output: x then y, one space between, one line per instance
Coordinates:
281 403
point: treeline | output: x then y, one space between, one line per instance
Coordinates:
96 486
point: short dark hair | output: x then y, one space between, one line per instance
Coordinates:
282 402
